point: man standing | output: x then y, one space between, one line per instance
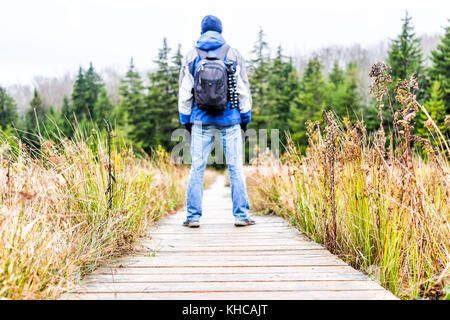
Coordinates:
215 96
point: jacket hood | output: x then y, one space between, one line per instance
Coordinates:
210 40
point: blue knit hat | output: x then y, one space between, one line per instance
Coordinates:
211 23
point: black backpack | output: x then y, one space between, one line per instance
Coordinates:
211 81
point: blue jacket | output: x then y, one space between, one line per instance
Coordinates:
211 41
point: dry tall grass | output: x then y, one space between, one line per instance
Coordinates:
386 212
55 222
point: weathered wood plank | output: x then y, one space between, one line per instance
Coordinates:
228 242
243 253
214 277
255 295
223 249
228 270
243 263
189 232
230 245
240 286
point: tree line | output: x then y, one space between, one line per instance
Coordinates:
147 111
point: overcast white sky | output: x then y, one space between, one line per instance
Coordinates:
51 37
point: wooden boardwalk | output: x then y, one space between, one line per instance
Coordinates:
269 260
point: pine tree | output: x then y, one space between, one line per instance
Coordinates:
103 109
53 123
344 97
35 120
336 76
35 116
310 102
152 117
440 70
283 87
67 118
161 103
132 100
8 110
93 85
79 99
85 93
177 61
436 109
405 56
259 82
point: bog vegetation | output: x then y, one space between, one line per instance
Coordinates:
369 179
385 210
57 219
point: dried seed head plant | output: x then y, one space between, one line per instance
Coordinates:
378 210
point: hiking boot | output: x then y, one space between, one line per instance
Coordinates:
191 224
244 222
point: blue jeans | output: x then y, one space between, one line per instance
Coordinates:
202 138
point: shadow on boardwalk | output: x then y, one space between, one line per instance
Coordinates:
270 260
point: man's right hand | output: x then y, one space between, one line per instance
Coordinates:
244 129
188 127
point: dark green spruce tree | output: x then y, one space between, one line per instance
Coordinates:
336 75
54 124
8 110
93 85
132 103
440 70
344 96
436 109
67 118
161 113
103 109
259 82
309 103
35 121
283 87
79 108
405 56
85 93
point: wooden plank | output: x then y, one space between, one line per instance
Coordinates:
255 295
274 254
232 245
264 238
223 239
212 221
248 242
214 277
359 285
226 256
219 249
216 223
158 243
224 232
227 270
320 261
243 242
230 256
212 224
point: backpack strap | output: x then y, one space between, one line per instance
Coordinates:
202 53
221 54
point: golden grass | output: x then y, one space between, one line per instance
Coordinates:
55 225
404 249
